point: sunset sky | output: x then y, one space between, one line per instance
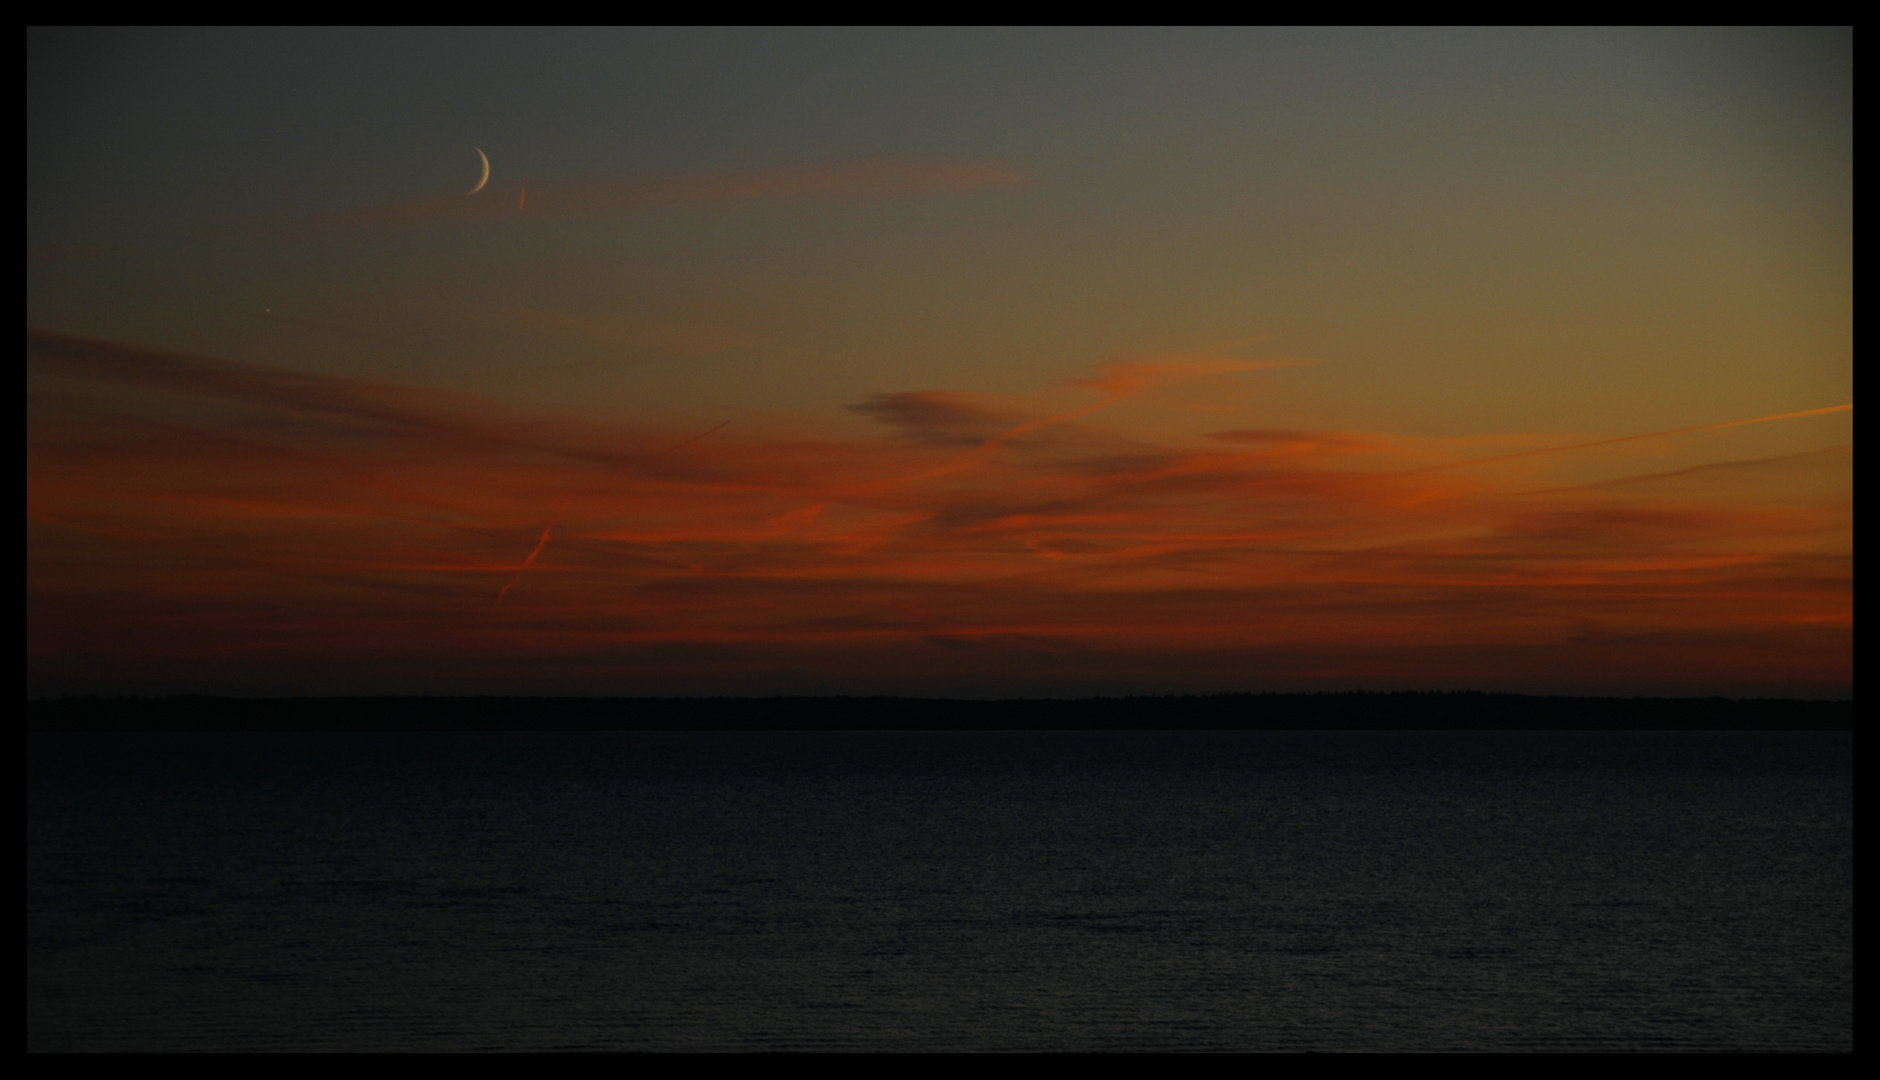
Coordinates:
961 363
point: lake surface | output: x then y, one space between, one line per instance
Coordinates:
941 891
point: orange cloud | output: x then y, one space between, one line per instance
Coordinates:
202 524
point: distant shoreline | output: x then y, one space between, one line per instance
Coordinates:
1354 711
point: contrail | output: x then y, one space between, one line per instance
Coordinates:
1681 472
539 545
689 440
1849 407
549 532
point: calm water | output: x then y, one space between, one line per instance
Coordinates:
907 891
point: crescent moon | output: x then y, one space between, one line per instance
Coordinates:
486 170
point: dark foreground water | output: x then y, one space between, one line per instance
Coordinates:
910 891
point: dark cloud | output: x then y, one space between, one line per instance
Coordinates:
184 373
937 417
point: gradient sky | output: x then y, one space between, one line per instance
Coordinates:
939 362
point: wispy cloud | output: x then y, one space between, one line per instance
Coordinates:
46 254
551 196
362 534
